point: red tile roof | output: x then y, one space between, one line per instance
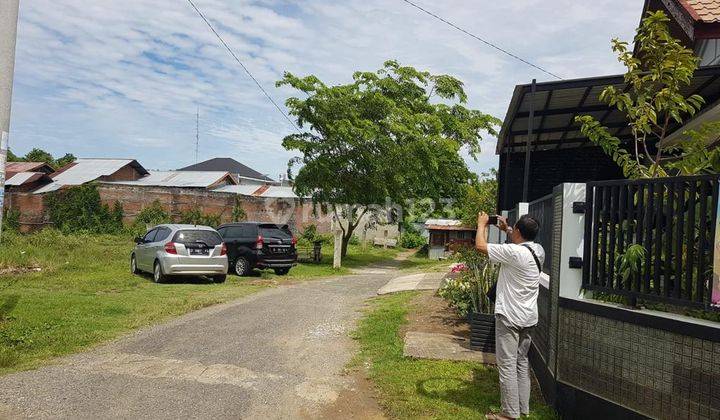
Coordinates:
16 167
706 11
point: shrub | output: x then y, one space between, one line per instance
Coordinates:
11 220
238 213
309 233
197 217
411 240
468 292
354 240
154 214
79 209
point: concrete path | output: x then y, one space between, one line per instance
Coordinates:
422 281
422 345
279 353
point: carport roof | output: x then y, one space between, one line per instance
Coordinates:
557 103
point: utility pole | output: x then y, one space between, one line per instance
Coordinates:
197 133
8 36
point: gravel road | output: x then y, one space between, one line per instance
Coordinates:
279 353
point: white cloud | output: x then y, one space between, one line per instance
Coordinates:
109 78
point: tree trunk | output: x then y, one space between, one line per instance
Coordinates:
345 242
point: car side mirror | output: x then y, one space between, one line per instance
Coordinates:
138 240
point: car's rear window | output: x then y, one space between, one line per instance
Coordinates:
275 231
205 237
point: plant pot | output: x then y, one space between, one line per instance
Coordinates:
482 332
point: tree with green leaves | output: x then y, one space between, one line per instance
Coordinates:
11 157
40 155
480 195
390 135
656 74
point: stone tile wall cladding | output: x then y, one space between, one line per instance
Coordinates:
657 373
295 212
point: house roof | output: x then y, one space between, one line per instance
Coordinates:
706 11
22 178
556 103
447 224
15 167
227 165
86 170
266 191
194 179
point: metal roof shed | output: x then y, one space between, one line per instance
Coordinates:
195 179
83 171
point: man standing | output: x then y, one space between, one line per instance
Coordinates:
515 307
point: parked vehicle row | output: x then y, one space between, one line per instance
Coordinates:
170 250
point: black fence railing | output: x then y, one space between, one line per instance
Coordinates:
672 219
542 210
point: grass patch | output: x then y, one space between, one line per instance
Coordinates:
410 388
60 294
358 256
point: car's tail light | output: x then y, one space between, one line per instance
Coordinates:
170 248
223 250
259 242
294 240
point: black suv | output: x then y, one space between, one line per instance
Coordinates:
259 245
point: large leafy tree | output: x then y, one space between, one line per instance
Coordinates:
656 74
394 134
40 155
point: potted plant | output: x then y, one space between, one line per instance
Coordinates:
468 294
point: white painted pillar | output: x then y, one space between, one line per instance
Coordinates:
571 245
523 209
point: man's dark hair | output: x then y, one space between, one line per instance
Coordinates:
528 227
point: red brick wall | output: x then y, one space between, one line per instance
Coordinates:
295 212
31 207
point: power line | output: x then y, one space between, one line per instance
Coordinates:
488 43
207 22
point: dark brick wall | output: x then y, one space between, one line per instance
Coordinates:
550 168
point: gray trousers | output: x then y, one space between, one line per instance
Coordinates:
511 351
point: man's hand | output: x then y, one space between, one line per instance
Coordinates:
481 235
483 219
502 223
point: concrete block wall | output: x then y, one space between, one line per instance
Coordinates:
653 371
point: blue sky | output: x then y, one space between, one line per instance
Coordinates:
124 79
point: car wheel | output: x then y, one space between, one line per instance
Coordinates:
282 271
133 265
219 279
242 266
158 275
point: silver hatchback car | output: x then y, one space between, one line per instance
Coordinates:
180 250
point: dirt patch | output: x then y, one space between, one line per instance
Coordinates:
10 271
431 314
354 403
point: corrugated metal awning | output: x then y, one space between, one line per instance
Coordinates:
557 103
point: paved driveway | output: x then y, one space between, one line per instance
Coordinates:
277 354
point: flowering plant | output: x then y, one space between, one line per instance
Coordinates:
468 292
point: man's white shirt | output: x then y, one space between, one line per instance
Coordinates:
518 282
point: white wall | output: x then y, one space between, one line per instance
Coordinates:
571 245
